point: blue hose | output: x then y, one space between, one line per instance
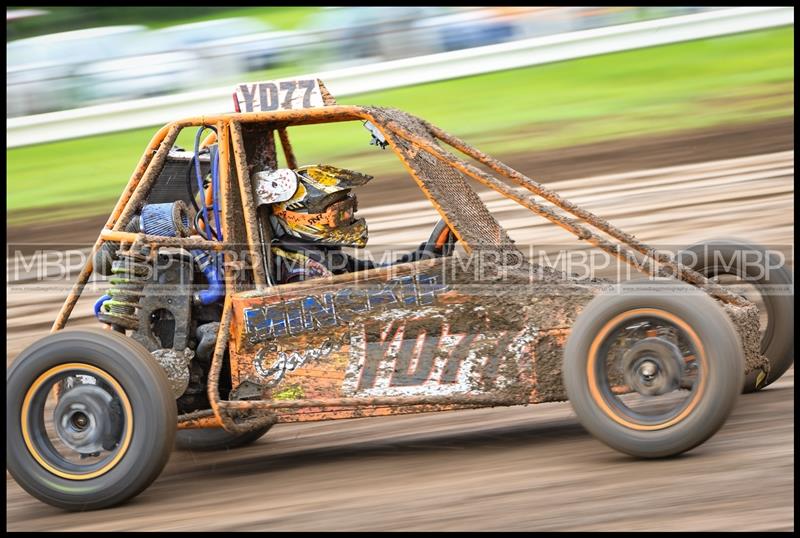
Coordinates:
200 177
215 193
208 264
214 187
216 285
99 304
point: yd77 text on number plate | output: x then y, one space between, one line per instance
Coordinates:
290 94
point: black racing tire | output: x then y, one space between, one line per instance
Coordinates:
718 257
148 429
210 439
706 410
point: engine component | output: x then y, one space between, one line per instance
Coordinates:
165 309
170 219
172 182
175 220
107 253
176 365
195 396
207 339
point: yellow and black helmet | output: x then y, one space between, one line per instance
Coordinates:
322 208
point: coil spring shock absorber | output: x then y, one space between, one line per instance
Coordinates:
129 272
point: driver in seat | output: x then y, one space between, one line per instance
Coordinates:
313 217
312 226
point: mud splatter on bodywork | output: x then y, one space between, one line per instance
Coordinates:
409 338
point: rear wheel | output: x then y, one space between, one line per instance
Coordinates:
760 277
654 369
216 438
90 419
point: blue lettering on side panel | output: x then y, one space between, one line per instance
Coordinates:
294 316
317 315
382 297
350 303
429 288
268 321
338 308
408 291
254 320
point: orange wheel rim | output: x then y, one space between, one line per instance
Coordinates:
32 446
591 369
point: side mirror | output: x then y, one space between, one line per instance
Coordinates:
377 137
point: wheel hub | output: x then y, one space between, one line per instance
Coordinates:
88 420
653 366
648 370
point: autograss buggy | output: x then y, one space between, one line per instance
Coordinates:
200 341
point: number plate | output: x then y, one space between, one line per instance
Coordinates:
288 94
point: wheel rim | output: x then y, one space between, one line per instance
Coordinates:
77 421
647 369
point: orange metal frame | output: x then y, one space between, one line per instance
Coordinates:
229 134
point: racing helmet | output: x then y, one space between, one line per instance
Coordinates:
322 209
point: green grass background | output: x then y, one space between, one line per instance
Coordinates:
734 79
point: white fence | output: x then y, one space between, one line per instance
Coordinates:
540 50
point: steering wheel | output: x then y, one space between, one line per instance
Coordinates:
442 241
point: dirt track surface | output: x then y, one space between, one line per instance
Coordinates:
521 468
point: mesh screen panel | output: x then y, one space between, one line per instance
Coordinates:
446 187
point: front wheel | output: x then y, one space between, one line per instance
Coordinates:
654 368
90 419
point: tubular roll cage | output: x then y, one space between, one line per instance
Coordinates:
229 134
